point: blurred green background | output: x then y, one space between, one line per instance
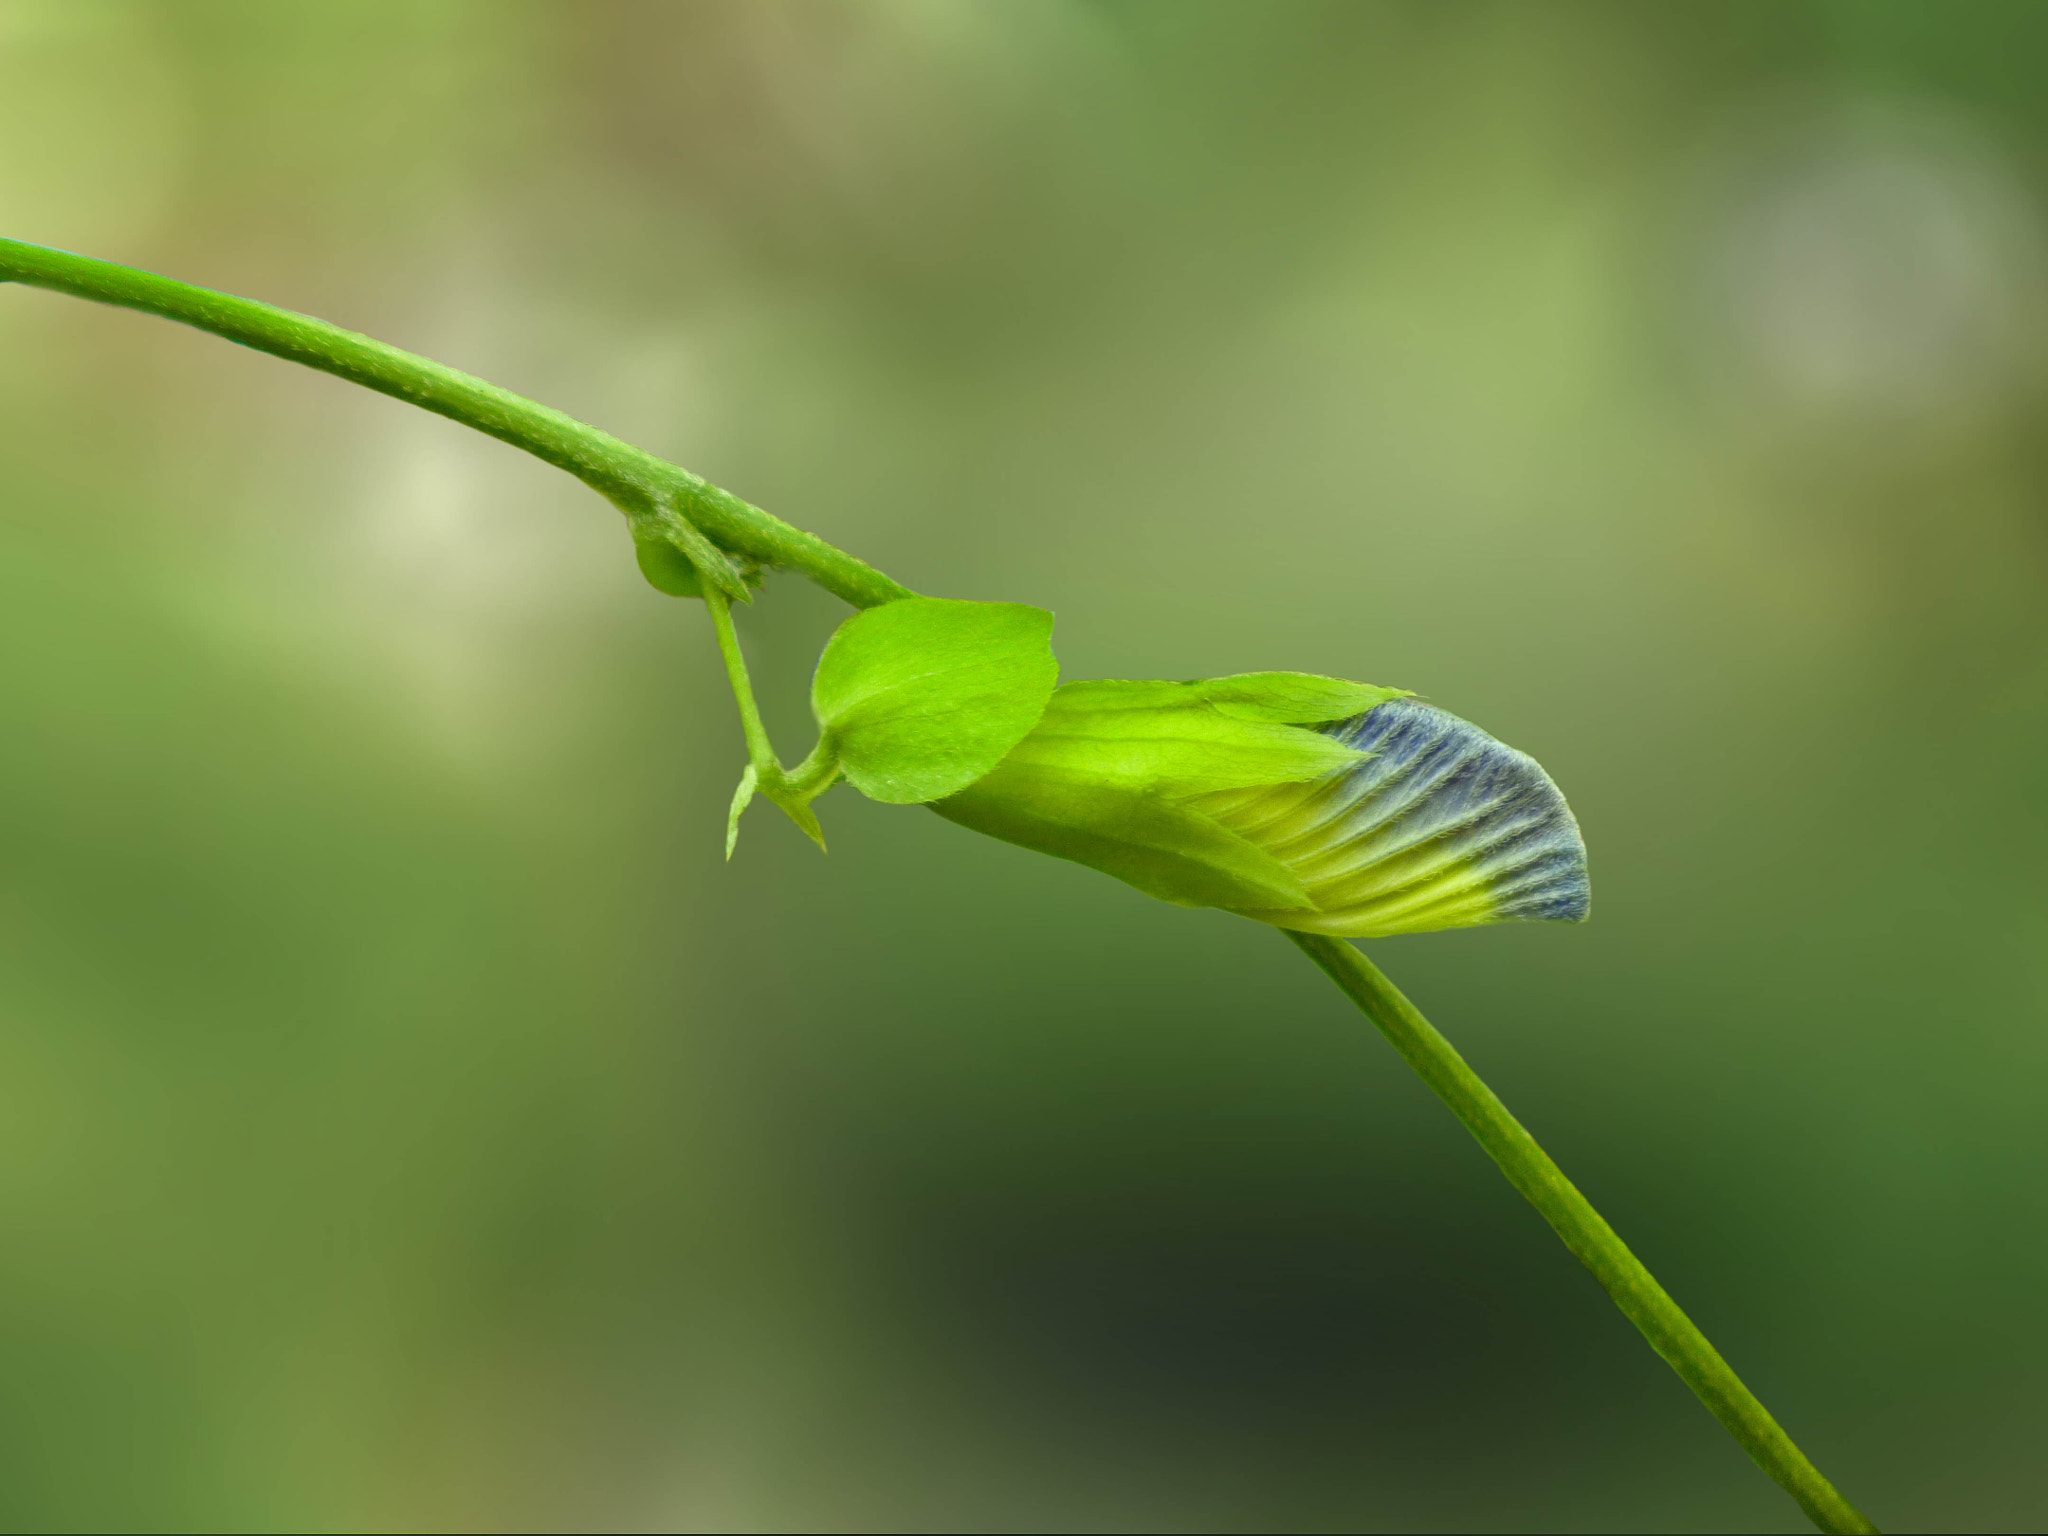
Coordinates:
408 1121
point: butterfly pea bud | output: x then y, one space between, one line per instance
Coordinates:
1306 802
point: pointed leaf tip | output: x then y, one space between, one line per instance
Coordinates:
807 819
741 797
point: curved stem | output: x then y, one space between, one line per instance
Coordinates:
816 773
793 793
1529 1168
633 478
767 767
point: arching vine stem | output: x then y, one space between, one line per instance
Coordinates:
707 524
637 481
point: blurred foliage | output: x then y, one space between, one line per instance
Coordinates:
407 1121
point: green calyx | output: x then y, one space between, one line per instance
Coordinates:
1108 776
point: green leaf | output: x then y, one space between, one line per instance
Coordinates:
923 696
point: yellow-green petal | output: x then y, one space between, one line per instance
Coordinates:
1438 825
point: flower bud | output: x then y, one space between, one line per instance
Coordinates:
1305 802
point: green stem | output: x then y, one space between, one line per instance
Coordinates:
816 773
634 479
1529 1168
767 768
791 792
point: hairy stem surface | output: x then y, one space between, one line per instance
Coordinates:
635 480
1529 1168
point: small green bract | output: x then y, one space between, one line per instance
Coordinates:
666 568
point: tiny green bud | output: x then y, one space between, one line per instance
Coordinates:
666 568
1305 802
673 555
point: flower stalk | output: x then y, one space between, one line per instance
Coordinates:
792 790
